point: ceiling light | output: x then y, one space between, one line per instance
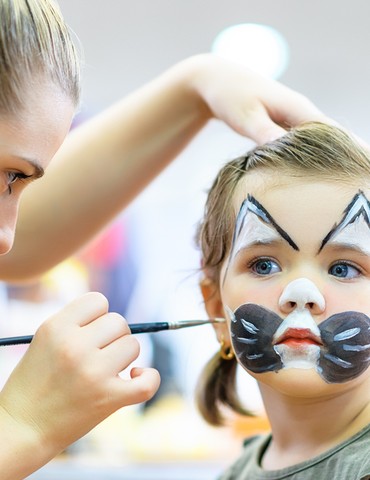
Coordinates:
259 47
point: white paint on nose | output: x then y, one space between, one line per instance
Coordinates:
300 294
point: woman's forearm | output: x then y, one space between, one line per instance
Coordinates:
21 451
100 168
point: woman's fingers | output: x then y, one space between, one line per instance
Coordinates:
142 385
119 354
105 329
83 310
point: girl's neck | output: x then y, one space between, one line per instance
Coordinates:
304 428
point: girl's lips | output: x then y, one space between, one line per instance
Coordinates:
298 336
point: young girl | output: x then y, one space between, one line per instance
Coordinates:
286 256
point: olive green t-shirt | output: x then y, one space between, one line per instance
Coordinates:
349 460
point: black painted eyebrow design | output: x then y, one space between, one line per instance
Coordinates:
252 205
358 206
255 207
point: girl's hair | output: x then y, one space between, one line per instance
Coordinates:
313 151
34 43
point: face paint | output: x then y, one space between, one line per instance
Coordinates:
347 339
339 353
353 230
339 348
297 338
255 226
251 335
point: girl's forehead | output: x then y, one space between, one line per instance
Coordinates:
303 209
283 193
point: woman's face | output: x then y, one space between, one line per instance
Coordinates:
28 141
300 258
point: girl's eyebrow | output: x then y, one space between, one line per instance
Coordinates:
272 242
266 243
348 246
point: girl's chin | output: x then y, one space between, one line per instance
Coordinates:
298 382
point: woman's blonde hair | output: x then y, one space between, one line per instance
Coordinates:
312 151
34 43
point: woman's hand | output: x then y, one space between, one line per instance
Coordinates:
252 105
68 381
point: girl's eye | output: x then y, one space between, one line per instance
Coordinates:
265 267
344 270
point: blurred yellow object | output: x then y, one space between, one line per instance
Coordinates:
170 430
248 426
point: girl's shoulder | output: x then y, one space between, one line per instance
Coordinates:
349 460
253 449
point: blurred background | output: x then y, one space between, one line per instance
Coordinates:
146 262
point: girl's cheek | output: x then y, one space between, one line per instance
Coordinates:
345 301
267 297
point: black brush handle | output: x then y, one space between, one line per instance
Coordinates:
135 328
4 342
148 327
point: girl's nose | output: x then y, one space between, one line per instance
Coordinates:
302 294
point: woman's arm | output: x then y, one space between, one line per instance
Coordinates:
107 161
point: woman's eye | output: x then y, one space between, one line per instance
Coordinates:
12 177
344 270
265 267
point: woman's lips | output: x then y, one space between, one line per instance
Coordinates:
297 337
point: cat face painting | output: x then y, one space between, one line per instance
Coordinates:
296 284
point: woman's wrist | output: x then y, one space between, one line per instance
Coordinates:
24 448
194 73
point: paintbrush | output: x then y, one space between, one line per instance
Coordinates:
134 327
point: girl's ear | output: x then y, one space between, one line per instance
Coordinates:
214 308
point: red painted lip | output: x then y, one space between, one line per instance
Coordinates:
298 336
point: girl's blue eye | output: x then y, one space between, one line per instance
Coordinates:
265 267
344 270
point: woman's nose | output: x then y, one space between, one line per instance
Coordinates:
6 239
302 294
8 218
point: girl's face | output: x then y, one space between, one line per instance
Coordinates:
300 255
28 141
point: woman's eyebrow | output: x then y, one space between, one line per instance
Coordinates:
37 168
